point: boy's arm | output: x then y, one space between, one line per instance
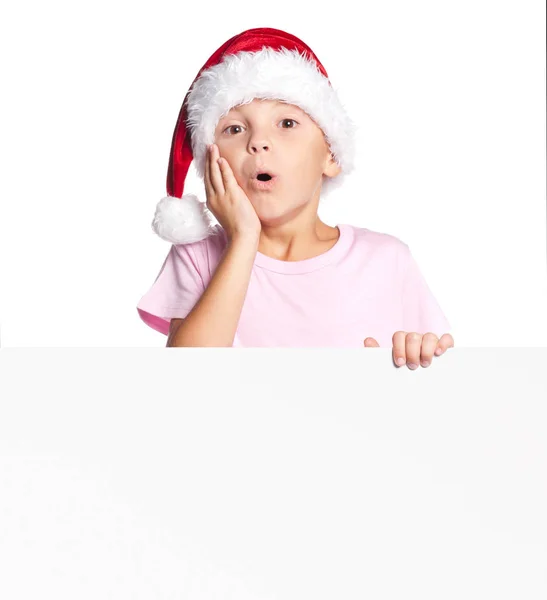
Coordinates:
213 320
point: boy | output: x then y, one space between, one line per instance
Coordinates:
272 273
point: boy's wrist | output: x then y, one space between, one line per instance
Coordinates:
246 240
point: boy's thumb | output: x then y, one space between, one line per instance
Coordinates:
371 343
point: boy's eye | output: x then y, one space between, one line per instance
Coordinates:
230 127
282 121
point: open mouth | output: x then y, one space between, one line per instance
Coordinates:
264 181
263 177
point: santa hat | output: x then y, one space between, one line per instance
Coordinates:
257 63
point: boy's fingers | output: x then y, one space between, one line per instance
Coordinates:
429 344
446 341
207 168
399 348
226 172
216 175
413 349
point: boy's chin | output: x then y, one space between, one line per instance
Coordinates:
275 215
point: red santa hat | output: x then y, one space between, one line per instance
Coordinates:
257 63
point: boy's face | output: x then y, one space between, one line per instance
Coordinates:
281 139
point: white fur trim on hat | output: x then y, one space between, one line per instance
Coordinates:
282 74
182 220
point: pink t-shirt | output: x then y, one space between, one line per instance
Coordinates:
367 285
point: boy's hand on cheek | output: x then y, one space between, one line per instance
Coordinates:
414 348
227 200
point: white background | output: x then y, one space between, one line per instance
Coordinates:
449 101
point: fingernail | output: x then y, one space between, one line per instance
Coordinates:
438 351
400 361
412 366
425 363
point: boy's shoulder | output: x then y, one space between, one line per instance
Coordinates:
373 239
216 240
202 255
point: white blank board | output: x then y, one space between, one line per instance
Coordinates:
202 474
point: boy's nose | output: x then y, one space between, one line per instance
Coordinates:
259 146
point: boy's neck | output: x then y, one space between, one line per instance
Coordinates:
290 244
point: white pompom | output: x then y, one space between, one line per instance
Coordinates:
182 220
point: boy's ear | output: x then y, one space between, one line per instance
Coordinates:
332 168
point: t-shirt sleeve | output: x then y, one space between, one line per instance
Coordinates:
176 290
421 311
